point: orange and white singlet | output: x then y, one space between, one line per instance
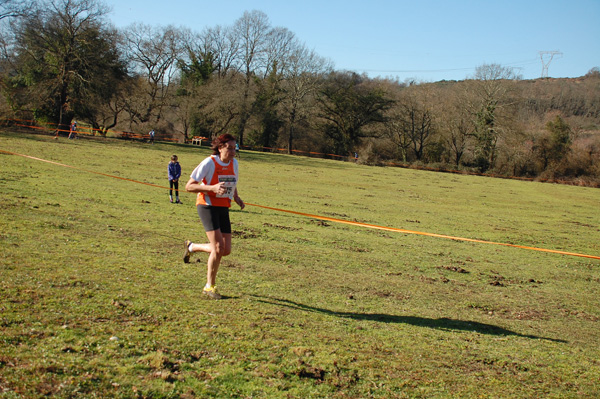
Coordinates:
212 171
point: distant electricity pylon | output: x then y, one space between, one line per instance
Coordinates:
545 64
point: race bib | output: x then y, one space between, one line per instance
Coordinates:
229 186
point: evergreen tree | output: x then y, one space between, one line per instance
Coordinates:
64 60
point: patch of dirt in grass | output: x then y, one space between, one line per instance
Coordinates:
48 387
336 215
524 314
386 294
72 282
134 234
277 226
423 278
456 269
511 367
498 280
162 366
245 234
342 378
6 361
231 264
584 225
380 233
517 314
579 314
350 248
428 280
319 222
158 361
305 370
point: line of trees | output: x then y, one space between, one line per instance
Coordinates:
63 60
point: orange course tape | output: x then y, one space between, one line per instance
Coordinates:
349 222
374 226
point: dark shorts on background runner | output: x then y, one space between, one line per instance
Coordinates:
215 218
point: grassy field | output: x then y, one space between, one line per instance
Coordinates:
95 300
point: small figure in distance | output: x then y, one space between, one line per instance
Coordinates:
73 130
174 172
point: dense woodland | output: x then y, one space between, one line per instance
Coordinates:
62 60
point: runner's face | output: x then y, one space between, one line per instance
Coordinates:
227 151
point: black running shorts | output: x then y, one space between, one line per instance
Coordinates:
215 218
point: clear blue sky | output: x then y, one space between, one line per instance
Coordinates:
429 40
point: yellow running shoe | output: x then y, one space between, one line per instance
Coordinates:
212 292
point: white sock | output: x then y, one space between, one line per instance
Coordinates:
207 285
190 247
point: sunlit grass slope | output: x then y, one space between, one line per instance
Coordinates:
95 300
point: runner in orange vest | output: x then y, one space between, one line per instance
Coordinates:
215 181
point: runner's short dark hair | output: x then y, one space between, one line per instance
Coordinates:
220 141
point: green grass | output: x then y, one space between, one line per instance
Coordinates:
96 302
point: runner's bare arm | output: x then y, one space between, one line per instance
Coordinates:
192 186
238 200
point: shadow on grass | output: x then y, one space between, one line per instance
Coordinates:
443 323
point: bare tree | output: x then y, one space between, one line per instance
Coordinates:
279 45
419 119
16 8
218 106
224 46
395 130
303 75
152 53
252 29
458 127
412 121
491 85
207 97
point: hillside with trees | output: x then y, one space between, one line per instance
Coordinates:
62 60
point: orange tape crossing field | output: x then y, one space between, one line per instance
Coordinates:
397 230
349 222
84 170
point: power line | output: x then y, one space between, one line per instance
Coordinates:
515 64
